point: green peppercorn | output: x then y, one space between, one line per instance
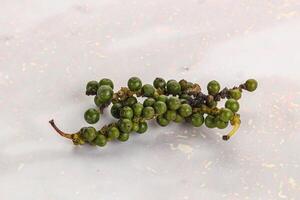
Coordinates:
126 112
220 124
88 134
148 102
173 87
170 115
178 119
232 104
159 83
100 140
92 87
105 93
98 101
137 109
92 116
225 114
123 137
115 110
251 85
197 120
106 81
135 126
173 103
130 101
210 121
113 133
235 94
142 127
134 84
162 98
162 121
178 108
185 110
213 87
183 101
148 90
183 84
125 125
160 107
212 104
148 112
185 96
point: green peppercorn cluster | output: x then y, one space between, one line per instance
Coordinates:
165 101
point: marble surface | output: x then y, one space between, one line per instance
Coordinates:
50 49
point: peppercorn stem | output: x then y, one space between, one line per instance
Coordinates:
66 135
232 132
236 122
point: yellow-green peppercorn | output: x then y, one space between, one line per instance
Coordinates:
251 85
135 126
235 94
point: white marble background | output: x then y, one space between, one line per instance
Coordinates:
50 49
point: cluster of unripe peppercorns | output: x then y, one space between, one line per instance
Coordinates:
166 101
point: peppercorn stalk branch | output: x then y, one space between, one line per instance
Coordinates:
75 137
235 122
